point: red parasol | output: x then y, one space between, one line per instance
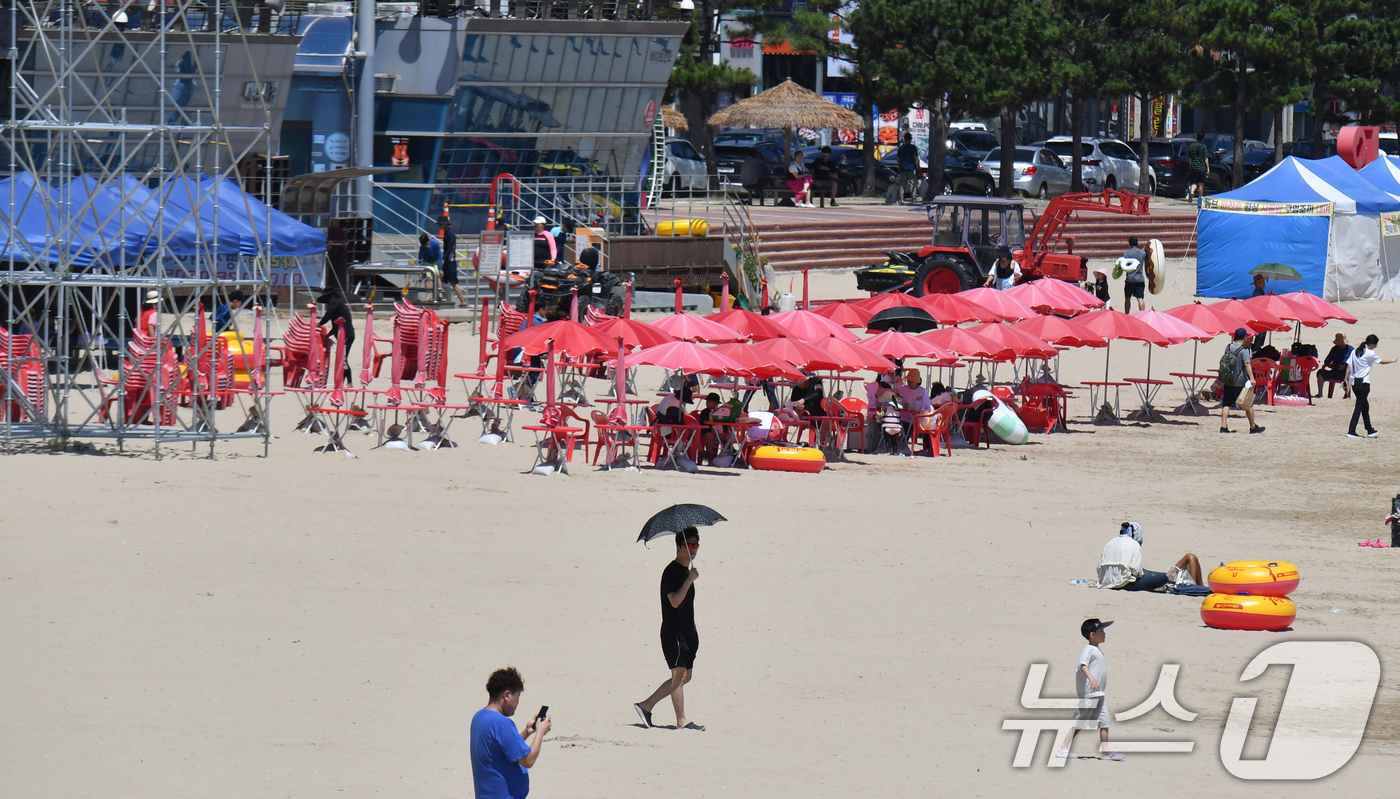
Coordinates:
999 303
855 357
1021 343
691 359
1045 300
799 353
966 344
688 327
1286 310
1109 325
756 326
883 302
808 326
570 338
634 334
1257 318
1209 318
1320 306
845 314
954 309
763 365
1057 331
895 344
1073 293
1176 330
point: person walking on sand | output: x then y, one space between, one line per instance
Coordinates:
1091 685
1359 378
1135 277
1235 382
500 754
679 640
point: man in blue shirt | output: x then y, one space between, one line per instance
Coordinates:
500 755
429 251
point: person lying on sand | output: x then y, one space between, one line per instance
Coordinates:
1120 565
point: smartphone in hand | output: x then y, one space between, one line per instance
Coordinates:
544 711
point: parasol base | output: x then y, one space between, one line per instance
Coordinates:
1106 416
1190 409
1147 413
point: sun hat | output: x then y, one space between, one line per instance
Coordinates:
1102 270
1004 252
152 297
1133 529
540 220
1092 626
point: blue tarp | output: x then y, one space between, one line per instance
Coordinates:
1232 244
222 205
39 233
138 213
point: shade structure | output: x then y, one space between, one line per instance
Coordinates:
854 357
1074 293
1257 318
895 344
1320 306
1110 325
756 326
955 309
1000 303
808 326
216 203
636 335
1057 331
1210 318
908 320
893 299
1044 300
799 353
762 365
688 327
570 338
788 105
1021 343
966 344
845 314
690 358
674 119
1276 272
1286 310
1176 331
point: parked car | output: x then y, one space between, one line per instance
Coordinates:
1039 172
1108 164
1255 144
742 136
730 159
1256 163
1390 145
1306 148
684 169
1172 167
961 175
973 143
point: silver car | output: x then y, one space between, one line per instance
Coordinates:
1039 172
1107 164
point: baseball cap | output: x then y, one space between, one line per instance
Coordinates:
540 220
1240 333
1092 626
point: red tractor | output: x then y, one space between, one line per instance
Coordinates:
968 231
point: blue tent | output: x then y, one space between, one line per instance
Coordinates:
223 206
41 231
1384 174
133 210
1318 217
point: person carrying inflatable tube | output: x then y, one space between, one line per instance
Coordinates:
1120 565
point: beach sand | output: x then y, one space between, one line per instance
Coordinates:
306 625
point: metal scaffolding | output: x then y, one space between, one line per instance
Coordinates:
115 149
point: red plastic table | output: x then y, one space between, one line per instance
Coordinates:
334 420
637 415
827 432
491 422
1101 414
1147 391
681 441
1192 385
383 412
309 399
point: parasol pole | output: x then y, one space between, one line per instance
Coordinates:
679 309
485 325
573 308
806 303
549 375
724 293
627 303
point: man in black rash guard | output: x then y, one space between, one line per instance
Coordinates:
679 640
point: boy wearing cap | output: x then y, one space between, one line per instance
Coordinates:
1090 683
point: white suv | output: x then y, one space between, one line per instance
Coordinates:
684 168
1108 164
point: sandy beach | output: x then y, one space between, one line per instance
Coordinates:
305 625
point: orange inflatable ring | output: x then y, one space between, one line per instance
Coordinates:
787 459
1245 612
1255 577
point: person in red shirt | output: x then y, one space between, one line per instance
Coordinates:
148 323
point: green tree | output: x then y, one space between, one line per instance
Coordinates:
1148 58
696 74
1080 37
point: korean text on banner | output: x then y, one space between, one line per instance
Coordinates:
1390 223
1265 208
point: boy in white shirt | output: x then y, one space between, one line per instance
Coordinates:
1090 683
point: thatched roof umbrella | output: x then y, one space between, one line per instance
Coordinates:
672 118
788 106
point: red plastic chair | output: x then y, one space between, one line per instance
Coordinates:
975 431
1302 386
1040 407
565 414
1265 378
937 428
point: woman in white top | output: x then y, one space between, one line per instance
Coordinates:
801 181
1359 376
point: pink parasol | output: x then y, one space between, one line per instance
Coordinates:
1021 343
1045 300
856 357
688 327
569 338
845 314
1176 331
724 292
966 344
338 365
895 344
1319 306
799 353
1109 325
762 365
954 309
690 358
999 303
1257 318
634 334
1209 318
1286 310
809 326
1057 331
756 326
1073 293
573 304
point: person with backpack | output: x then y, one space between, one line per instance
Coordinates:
1359 377
1235 382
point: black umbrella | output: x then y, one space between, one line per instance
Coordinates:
676 518
904 319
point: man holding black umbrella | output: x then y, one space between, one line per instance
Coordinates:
679 639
